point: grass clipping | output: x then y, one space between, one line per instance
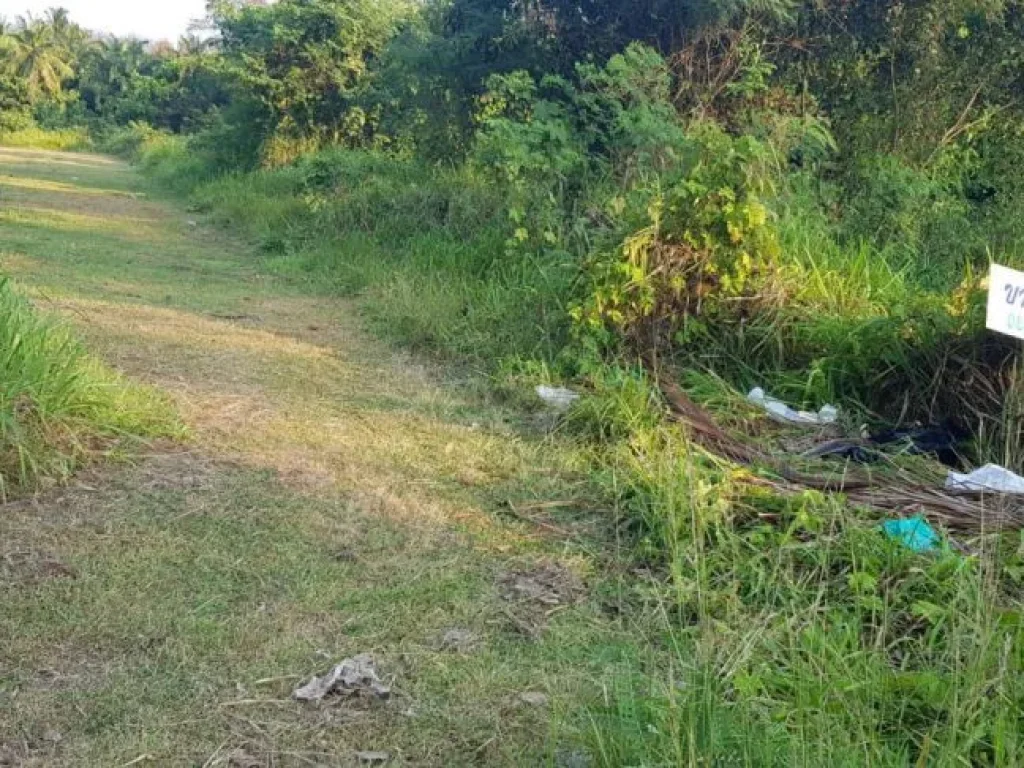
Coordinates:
58 407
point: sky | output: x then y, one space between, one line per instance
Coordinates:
147 19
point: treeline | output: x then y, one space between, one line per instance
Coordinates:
56 74
916 79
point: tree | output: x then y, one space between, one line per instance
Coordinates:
303 63
70 36
38 58
107 70
192 44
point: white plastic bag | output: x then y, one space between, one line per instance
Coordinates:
991 477
559 398
781 412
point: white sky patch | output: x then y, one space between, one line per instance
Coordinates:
146 19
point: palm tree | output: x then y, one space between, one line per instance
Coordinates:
192 44
6 44
39 58
67 34
59 19
107 69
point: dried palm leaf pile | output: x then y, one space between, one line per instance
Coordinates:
895 493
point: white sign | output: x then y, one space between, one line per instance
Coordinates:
1006 301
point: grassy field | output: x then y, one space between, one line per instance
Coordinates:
335 497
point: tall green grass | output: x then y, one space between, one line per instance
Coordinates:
432 249
789 630
33 137
59 407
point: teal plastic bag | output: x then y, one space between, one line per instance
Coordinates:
915 533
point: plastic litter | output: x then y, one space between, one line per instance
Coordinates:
943 441
991 477
351 677
915 533
781 412
559 398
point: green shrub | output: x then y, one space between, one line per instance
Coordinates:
180 163
125 141
171 161
705 250
15 120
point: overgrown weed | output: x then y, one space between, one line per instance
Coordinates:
58 406
798 634
33 137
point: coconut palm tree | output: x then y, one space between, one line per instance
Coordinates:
192 44
38 58
6 44
67 34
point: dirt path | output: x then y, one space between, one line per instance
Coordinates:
335 498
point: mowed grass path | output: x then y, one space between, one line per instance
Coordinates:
335 498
